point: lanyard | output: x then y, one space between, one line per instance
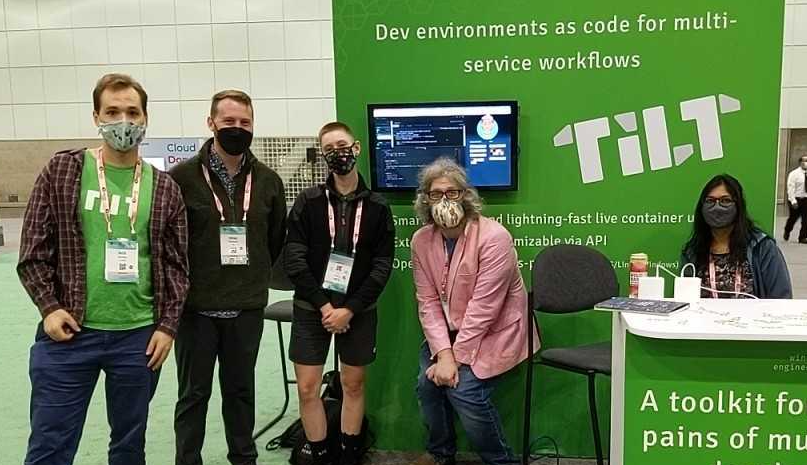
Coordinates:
332 222
138 175
713 279
444 281
219 206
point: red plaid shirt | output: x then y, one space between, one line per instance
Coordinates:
52 264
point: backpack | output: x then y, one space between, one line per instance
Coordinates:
294 436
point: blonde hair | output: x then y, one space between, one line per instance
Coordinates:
445 168
334 126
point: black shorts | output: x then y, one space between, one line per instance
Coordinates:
310 340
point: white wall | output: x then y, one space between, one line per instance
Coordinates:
794 72
183 51
279 51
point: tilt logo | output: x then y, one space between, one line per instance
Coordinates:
114 203
704 111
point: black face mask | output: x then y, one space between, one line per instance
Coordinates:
234 140
341 161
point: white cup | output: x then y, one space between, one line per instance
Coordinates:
651 287
687 290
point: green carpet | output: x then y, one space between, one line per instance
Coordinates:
16 337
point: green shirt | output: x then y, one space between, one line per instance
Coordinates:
116 306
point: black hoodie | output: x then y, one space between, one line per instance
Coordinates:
308 245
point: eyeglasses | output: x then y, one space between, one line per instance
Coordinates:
340 151
723 201
451 194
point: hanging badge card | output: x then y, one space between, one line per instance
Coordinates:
233 243
120 264
337 275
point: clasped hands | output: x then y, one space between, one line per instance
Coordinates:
336 320
446 371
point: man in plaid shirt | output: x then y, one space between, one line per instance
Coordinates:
103 255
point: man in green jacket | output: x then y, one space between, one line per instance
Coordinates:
237 225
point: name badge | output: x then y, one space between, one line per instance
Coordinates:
120 264
233 245
337 275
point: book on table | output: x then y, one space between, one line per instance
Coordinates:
644 306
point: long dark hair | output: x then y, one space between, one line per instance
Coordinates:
700 242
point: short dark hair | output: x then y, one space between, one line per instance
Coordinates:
232 94
118 81
334 126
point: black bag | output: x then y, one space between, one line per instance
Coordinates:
294 436
288 438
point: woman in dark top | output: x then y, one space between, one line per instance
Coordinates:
729 252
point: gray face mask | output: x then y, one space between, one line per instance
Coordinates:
718 216
122 135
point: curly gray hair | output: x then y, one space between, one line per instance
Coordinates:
445 167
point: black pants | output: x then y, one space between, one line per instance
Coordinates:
235 342
795 214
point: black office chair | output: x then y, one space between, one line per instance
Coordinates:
279 312
569 279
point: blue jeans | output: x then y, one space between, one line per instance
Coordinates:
63 377
471 400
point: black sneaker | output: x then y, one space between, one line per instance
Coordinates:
351 453
308 456
802 241
787 236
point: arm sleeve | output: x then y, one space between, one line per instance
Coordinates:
277 222
430 310
369 290
175 263
497 260
773 268
296 251
791 187
36 267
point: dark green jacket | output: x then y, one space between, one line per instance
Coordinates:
217 287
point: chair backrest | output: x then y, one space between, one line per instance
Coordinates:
279 281
571 278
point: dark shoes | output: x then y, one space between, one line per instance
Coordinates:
351 449
802 241
314 454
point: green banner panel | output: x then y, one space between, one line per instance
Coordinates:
626 110
742 403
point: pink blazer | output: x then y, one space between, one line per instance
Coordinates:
487 301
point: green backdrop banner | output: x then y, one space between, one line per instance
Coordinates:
627 108
742 403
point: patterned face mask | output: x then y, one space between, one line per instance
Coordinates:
341 160
447 214
122 135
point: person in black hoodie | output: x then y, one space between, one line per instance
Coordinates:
237 223
338 255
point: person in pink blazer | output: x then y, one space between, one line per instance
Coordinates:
472 306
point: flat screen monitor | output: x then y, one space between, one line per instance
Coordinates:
482 137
